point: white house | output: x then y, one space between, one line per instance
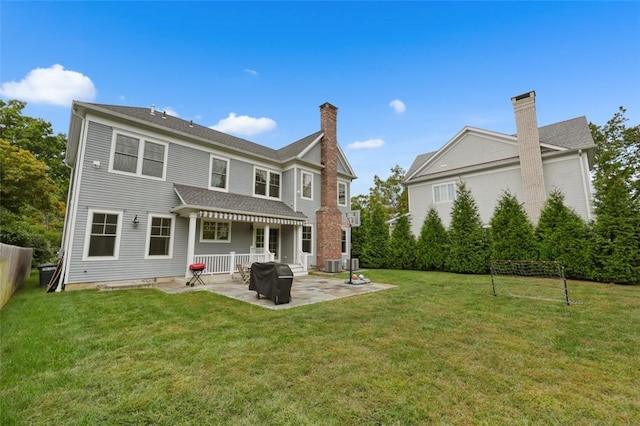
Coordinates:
152 194
529 164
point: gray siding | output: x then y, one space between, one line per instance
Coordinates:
471 149
487 187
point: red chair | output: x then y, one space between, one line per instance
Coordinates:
196 270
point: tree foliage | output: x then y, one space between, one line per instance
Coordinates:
36 136
617 201
468 240
432 244
30 212
512 234
402 244
390 192
563 236
374 251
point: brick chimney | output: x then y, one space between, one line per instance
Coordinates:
328 217
535 194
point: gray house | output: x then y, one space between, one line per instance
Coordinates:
529 164
152 194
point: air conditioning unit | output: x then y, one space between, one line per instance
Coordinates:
355 264
333 266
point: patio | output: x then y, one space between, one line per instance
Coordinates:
305 290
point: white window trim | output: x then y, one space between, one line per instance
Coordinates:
226 183
346 193
269 173
202 240
302 174
312 238
87 237
433 192
346 231
143 140
148 238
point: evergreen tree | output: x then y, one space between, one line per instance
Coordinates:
563 236
617 201
401 245
374 250
468 248
432 244
512 234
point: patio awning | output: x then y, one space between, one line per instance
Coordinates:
250 218
235 207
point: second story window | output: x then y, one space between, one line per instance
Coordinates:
267 183
444 193
219 171
307 185
342 194
139 157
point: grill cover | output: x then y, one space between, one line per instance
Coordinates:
272 280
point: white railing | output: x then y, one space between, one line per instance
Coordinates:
227 263
302 258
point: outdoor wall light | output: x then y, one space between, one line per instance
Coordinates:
135 220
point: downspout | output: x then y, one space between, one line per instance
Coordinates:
72 206
585 186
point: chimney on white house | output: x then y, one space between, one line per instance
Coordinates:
535 194
328 217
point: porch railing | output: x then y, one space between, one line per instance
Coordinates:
227 263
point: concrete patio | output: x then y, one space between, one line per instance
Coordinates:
305 290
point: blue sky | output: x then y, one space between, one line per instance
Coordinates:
405 76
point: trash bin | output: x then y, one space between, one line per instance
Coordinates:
46 271
272 280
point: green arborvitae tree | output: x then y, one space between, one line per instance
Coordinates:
433 243
617 201
512 234
563 236
374 251
401 245
468 241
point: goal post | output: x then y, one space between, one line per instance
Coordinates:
535 279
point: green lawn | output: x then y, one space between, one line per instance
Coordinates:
437 349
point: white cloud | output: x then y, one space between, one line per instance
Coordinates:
398 106
368 144
53 85
244 125
250 71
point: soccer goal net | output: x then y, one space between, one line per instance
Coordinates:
535 279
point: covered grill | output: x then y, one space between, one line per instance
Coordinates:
272 280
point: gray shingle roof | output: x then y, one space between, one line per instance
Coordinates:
177 124
206 199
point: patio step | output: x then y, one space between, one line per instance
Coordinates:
298 270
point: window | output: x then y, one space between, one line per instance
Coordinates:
160 236
219 170
215 231
307 233
344 241
267 183
342 194
139 157
307 185
103 235
444 193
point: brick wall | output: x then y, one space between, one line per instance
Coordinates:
530 157
328 217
